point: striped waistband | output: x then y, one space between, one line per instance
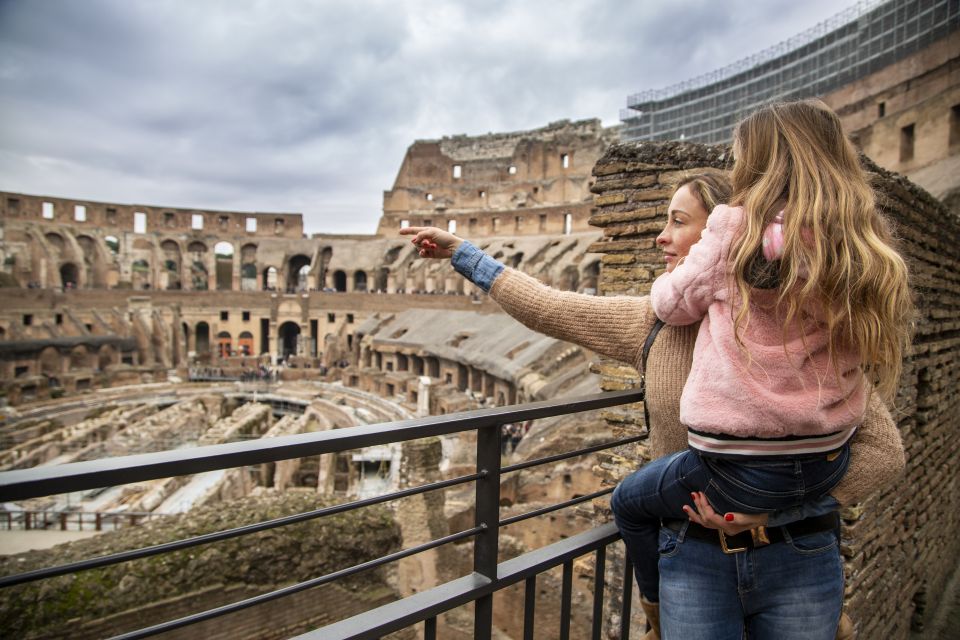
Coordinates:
721 445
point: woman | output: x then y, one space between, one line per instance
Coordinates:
785 589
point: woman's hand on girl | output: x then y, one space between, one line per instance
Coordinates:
730 523
432 242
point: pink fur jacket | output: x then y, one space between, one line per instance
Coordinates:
770 389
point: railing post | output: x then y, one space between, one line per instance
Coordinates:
486 545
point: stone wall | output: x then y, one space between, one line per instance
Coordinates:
900 546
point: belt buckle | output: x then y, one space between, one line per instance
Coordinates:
726 549
759 535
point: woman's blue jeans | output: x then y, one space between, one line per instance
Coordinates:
660 488
791 590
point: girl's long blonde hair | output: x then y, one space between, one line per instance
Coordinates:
839 266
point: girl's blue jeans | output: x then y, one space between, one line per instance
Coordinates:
659 489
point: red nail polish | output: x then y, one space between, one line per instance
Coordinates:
728 517
693 496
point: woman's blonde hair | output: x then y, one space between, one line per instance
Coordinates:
710 189
839 266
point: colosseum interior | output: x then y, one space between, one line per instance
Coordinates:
131 328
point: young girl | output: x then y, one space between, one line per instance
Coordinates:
803 302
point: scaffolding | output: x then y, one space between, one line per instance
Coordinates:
851 45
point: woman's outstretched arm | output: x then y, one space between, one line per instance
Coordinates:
613 326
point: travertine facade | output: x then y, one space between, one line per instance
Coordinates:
899 546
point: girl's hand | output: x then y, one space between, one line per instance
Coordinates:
433 242
731 523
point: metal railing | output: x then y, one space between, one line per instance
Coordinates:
478 587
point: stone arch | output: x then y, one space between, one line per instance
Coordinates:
360 280
223 260
69 275
203 338
51 362
224 344
56 241
288 337
140 274
172 262
106 356
340 281
298 273
88 247
113 244
245 343
80 358
270 277
197 247
185 337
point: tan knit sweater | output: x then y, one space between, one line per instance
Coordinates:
617 327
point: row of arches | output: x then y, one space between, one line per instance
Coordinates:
288 343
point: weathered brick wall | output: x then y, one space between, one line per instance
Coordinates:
900 547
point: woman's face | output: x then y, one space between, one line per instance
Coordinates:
686 218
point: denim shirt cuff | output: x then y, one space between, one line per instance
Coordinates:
476 266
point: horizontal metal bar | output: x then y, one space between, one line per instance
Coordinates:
394 616
106 472
572 454
134 554
555 507
294 588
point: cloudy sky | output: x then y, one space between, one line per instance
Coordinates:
309 106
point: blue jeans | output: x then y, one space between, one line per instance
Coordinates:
790 590
660 488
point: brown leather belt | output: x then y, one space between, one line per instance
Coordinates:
759 536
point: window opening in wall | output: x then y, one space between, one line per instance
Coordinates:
196 221
47 208
389 386
482 194
473 225
452 226
457 171
111 216
543 222
224 315
512 170
27 319
279 224
430 196
565 160
13 205
349 318
955 125
223 221
518 222
89 326
496 224
169 220
881 109
404 224
58 318
80 213
251 225
567 224
428 222
20 371
331 317
113 244
246 316
906 143
139 222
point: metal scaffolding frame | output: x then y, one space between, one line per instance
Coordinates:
852 44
